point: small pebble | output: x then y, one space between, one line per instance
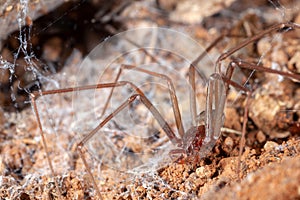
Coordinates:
9 8
200 171
228 145
203 172
260 136
270 145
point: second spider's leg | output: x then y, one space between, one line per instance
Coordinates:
138 96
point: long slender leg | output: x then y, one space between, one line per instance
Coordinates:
33 103
148 104
246 65
192 73
215 104
140 96
171 89
276 27
192 92
228 82
231 51
214 113
36 94
242 64
120 71
175 140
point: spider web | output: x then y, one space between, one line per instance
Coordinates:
24 58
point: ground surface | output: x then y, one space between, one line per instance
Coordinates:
270 163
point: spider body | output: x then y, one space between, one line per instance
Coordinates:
190 146
193 140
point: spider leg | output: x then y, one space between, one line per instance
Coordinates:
276 27
177 155
36 94
139 95
252 66
34 106
120 71
192 73
242 64
171 89
215 104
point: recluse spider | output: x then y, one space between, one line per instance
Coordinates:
193 143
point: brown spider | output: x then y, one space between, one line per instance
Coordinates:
206 127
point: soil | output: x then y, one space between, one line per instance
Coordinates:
269 165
